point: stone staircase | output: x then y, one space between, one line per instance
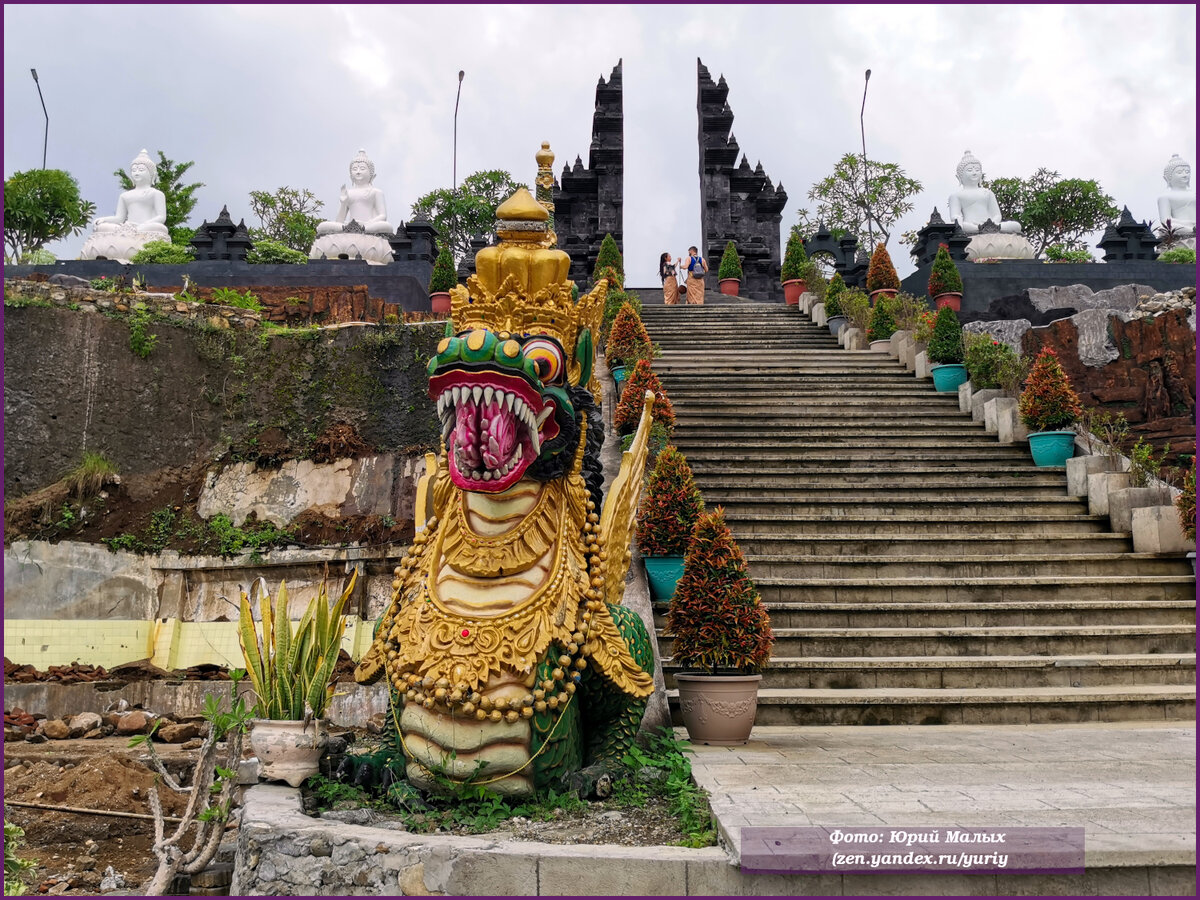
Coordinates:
916 570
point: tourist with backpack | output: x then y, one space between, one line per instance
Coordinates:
696 266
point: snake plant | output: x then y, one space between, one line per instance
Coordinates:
291 669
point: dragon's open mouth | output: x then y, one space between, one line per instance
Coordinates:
494 426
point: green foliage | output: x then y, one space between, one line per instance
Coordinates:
179 196
163 252
856 307
613 302
665 753
444 276
41 206
716 614
629 410
627 339
1059 253
882 325
217 536
944 277
15 867
471 210
796 263
40 257
141 341
289 217
291 671
1144 466
946 342
1185 503
233 297
1178 255
837 286
987 360
1048 403
670 507
90 476
731 266
268 251
609 257
1053 210
908 309
844 198
881 274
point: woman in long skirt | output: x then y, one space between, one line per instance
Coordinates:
666 271
697 265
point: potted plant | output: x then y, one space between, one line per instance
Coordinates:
882 279
609 263
667 515
835 319
722 635
946 351
442 280
291 672
882 325
729 273
796 270
629 409
1185 505
856 307
1049 407
627 343
945 283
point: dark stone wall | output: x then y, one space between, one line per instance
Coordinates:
72 383
1151 383
737 202
404 283
588 203
985 282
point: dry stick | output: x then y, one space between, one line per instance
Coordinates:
93 812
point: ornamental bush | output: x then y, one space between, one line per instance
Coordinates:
629 410
609 257
671 505
796 263
267 251
162 252
883 324
944 277
1048 403
856 307
946 342
907 310
716 614
837 286
444 277
628 340
987 360
1185 503
731 266
1178 255
881 273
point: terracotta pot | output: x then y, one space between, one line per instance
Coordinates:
883 292
952 300
730 286
288 750
793 289
440 302
718 709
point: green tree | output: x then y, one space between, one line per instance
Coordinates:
860 200
181 198
609 257
469 211
1052 209
289 216
41 206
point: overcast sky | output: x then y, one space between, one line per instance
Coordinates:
265 96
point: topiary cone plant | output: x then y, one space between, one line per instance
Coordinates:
670 507
944 277
629 409
442 281
628 340
1048 407
722 631
729 273
837 286
797 269
881 274
609 258
945 351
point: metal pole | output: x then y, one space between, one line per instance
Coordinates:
46 136
461 73
866 179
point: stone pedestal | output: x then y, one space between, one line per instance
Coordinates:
1009 427
979 399
374 248
852 339
1100 485
1156 529
1121 504
818 314
965 392
1080 467
921 365
121 244
998 245
898 338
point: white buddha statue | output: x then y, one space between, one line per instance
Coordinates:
364 204
140 218
973 206
1178 204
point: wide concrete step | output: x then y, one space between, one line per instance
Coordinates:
812 398
804 473
964 505
991 640
769 444
958 567
898 542
883 488
971 672
787 422
969 706
803 525
973 456
920 433
1003 588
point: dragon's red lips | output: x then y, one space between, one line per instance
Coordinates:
493 425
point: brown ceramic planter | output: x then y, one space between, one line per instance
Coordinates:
440 302
793 289
952 300
730 286
883 292
288 750
718 709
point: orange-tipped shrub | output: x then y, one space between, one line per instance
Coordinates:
716 614
628 340
629 410
1048 403
671 505
881 273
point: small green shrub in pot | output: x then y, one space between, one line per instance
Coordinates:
882 325
613 301
856 307
944 277
609 257
444 277
796 263
628 340
837 286
946 341
1048 402
987 360
731 266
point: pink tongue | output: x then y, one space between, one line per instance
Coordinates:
486 434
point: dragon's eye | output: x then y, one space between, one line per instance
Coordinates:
548 357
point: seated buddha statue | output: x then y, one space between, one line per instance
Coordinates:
140 218
1178 204
364 204
973 206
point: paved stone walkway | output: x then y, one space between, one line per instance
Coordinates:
1132 786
